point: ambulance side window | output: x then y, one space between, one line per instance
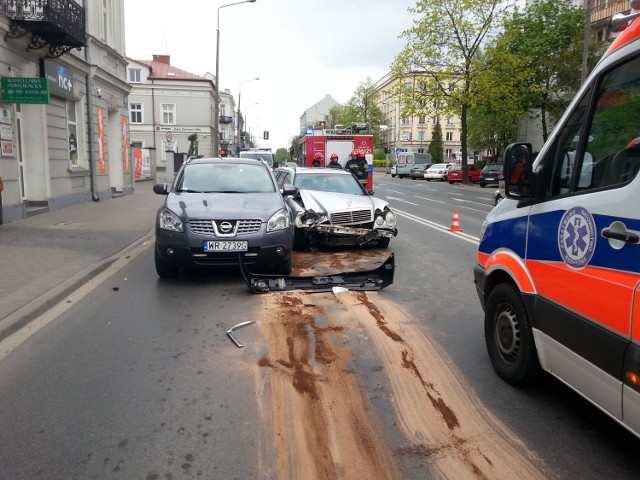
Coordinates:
564 163
614 138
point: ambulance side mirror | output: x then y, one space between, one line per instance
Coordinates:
518 171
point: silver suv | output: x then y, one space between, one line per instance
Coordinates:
221 211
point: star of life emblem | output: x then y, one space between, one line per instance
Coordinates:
577 237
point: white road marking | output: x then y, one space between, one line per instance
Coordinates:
437 226
403 201
430 199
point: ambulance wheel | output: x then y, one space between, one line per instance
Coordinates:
509 337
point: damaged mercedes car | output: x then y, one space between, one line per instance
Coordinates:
332 208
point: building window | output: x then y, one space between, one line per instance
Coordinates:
73 137
135 113
449 136
450 121
134 75
168 113
223 110
421 119
405 121
105 21
421 136
435 120
448 153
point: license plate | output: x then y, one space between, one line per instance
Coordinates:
225 246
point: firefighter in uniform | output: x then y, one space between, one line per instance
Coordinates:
317 159
334 162
358 166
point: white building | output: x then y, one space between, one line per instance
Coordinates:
69 144
318 112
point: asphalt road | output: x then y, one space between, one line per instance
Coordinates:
137 379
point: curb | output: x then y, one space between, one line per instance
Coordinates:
36 307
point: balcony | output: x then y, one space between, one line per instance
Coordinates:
58 25
225 119
604 10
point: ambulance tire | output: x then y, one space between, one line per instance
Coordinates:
509 337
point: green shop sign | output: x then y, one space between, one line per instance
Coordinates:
24 90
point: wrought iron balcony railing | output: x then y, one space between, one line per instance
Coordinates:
225 119
56 24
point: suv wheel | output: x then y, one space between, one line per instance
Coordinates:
164 269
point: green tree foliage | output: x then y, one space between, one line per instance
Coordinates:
547 37
193 148
282 155
501 84
361 107
436 69
436 147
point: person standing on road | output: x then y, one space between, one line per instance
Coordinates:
334 162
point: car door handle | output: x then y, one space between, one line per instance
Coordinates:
627 237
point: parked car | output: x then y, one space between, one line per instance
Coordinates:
332 208
220 211
437 171
491 174
419 170
455 173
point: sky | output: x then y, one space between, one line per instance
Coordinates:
301 50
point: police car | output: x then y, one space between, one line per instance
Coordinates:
558 266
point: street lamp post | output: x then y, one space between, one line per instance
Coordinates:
246 116
216 120
240 142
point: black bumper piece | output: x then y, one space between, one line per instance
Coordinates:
369 280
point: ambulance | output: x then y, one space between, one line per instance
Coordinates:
558 264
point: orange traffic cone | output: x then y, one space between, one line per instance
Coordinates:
455 225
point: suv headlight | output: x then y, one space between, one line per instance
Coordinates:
279 221
170 221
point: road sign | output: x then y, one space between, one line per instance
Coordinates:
169 136
24 90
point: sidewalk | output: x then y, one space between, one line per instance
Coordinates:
45 257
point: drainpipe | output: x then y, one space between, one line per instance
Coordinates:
89 83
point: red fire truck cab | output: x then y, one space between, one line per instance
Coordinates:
343 141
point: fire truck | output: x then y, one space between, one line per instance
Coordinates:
343 141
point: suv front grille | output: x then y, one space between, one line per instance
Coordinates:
351 217
205 227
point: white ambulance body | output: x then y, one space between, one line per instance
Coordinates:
558 271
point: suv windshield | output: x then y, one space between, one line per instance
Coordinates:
224 177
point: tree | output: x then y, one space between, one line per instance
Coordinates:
436 147
548 37
436 69
193 146
281 156
501 83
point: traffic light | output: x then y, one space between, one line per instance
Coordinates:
266 135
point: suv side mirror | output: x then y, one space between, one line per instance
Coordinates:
289 190
161 188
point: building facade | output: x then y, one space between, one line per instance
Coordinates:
414 132
169 106
316 113
63 105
